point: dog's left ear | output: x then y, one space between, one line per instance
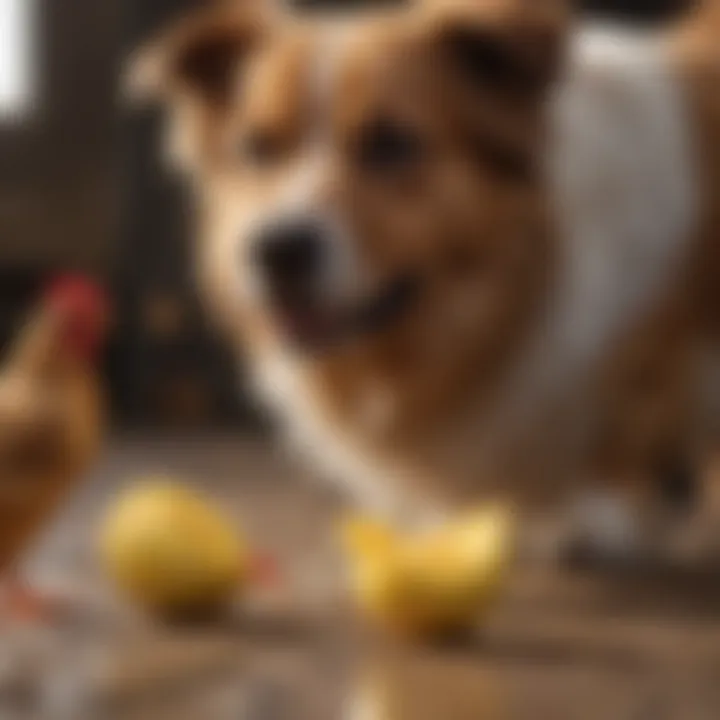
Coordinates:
509 48
496 61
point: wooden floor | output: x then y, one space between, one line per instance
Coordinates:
559 647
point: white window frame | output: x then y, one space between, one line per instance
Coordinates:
19 55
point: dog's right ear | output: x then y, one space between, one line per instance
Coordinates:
198 56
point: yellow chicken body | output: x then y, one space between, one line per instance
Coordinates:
49 434
430 583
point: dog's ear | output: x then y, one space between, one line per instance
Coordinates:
512 48
199 55
498 59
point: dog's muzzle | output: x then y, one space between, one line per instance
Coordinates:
292 259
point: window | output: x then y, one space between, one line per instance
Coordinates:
17 58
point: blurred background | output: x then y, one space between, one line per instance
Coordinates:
81 188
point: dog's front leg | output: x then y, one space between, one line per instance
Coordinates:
604 525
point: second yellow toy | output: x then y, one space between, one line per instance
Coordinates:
431 583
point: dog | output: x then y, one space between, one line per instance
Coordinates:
470 249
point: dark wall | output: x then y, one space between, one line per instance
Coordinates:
637 11
169 368
58 180
59 184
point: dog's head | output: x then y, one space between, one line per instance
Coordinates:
350 170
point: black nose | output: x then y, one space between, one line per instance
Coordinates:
289 252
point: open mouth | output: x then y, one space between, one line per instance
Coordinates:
314 325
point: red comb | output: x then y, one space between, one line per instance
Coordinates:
75 289
82 312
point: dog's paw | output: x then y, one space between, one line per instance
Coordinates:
604 531
578 552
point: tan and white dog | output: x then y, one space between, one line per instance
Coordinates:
470 248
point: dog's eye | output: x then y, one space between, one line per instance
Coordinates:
260 148
385 145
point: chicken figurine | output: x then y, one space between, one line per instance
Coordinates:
432 583
51 423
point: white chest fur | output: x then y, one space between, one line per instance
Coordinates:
624 181
620 166
334 450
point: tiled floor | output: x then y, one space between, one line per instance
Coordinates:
558 647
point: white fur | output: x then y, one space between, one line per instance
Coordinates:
625 184
312 433
623 179
363 704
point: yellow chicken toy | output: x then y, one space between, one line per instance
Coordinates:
172 551
429 583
